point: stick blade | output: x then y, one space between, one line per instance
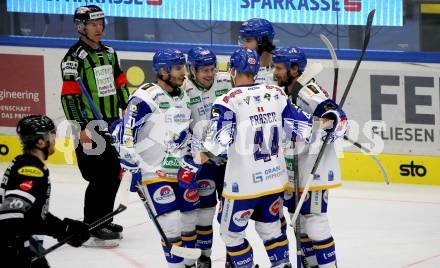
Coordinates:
331 49
368 28
186 253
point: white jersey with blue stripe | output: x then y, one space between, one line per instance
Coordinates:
155 130
249 123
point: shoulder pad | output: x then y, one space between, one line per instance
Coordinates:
31 171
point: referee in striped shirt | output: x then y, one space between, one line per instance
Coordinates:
97 66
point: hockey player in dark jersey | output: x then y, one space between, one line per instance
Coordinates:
24 198
97 66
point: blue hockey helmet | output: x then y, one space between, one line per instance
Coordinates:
245 61
289 56
167 58
200 56
257 28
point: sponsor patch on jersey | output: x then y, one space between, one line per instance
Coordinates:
274 208
171 162
31 171
242 217
331 176
267 96
69 68
164 105
257 177
26 185
221 92
206 187
195 100
82 54
164 195
191 195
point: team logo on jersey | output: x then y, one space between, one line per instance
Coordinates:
26 185
242 217
274 208
191 195
31 171
257 99
267 96
206 187
247 99
164 195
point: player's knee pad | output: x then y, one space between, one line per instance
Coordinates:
168 223
317 226
188 220
241 255
232 239
268 230
205 216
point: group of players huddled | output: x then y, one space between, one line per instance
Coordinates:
197 136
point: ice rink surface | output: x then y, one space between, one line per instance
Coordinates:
374 225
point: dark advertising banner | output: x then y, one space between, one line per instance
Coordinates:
21 87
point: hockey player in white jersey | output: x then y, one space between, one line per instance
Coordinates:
258 34
248 124
153 139
316 240
197 196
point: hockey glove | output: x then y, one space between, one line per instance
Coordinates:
78 229
340 124
135 171
187 173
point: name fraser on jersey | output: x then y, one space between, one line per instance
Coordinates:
260 119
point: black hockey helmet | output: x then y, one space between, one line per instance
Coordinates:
84 14
33 127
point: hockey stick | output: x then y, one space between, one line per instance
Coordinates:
344 97
187 253
331 49
92 226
